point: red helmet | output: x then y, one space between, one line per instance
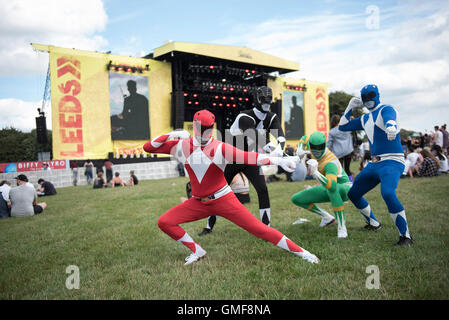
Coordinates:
203 123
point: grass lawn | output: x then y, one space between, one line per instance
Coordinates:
112 236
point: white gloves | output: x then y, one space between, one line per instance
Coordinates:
354 103
287 164
277 152
300 152
273 150
269 147
179 134
391 132
313 166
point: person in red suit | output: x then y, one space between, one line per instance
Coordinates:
205 159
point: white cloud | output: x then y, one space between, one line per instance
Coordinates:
63 23
21 114
407 57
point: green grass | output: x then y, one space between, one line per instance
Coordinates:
112 236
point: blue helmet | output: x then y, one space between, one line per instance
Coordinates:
370 96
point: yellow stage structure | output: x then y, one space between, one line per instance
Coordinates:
106 105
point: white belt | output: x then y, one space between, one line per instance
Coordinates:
220 193
399 157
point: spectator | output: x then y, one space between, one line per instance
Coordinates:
445 139
429 166
438 137
46 167
188 192
364 148
410 162
74 166
99 181
5 204
366 158
341 145
117 181
300 172
132 179
5 187
99 166
426 141
47 188
415 141
404 145
24 199
438 153
289 150
240 187
5 211
88 165
108 166
180 168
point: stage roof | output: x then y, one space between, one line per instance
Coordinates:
231 53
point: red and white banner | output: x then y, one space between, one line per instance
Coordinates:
33 165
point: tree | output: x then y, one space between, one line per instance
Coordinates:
20 146
338 101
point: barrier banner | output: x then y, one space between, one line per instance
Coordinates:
33 165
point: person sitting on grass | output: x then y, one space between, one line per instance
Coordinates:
411 161
47 188
117 181
5 187
438 153
132 179
429 166
99 181
24 199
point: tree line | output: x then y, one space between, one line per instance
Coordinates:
17 146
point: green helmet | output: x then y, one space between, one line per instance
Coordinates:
317 144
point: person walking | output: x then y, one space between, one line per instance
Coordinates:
341 145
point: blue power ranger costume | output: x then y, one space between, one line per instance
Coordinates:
381 125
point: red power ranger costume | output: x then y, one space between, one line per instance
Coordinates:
205 160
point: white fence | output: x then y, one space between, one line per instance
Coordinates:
64 177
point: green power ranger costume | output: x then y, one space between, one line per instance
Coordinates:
335 183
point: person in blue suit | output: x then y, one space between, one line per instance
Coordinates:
381 125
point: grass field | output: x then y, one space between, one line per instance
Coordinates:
113 238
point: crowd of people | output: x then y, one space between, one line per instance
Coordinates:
117 181
22 200
426 155
100 181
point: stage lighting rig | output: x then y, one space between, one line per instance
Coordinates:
295 87
127 68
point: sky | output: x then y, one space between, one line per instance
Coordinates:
402 46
